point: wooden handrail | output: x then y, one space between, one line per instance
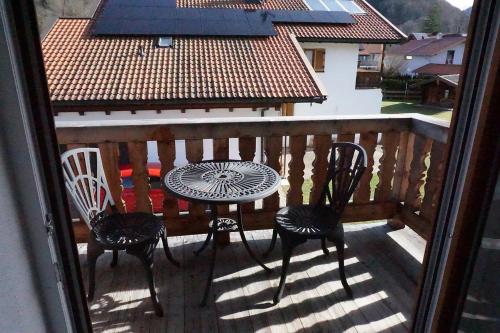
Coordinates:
406 148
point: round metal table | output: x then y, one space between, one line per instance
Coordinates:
220 183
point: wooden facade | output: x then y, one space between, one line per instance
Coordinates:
438 93
409 172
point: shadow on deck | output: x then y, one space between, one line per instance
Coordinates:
382 266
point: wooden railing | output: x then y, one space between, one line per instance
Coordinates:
409 152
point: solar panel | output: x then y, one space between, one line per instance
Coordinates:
160 18
351 7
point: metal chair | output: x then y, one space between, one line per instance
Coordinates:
135 233
297 224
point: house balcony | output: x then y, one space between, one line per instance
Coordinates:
396 199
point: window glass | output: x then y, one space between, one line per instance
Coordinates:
309 55
449 56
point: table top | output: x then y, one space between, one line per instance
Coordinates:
223 182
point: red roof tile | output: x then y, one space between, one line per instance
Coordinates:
439 69
81 67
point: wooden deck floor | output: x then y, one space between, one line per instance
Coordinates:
382 267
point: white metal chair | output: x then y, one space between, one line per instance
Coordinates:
137 233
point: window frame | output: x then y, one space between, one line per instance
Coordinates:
318 62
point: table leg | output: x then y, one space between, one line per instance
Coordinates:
239 221
213 209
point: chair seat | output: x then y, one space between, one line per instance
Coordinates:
306 220
118 231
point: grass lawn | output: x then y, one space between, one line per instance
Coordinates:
395 107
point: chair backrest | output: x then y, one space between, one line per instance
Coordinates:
86 182
347 165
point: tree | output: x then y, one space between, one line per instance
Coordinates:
432 22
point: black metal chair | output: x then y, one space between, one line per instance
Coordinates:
137 233
297 224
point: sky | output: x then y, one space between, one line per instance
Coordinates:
462 4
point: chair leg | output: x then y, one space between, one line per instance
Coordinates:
114 262
324 247
145 255
287 246
338 239
94 250
205 243
166 249
273 243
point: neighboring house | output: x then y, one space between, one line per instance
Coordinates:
369 66
370 56
440 90
421 50
284 65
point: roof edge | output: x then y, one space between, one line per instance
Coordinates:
127 105
309 67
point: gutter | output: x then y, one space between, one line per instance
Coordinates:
128 105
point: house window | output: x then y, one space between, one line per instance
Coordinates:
449 56
317 58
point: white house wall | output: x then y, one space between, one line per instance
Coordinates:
339 80
441 57
180 147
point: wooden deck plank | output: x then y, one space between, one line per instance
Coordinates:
380 269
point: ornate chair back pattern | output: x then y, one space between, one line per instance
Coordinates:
346 166
86 182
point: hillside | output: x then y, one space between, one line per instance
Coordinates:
409 15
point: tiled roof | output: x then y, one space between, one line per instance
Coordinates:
439 69
426 47
81 67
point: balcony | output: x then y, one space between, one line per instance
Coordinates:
401 185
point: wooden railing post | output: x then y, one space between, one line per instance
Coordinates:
138 153
272 148
221 152
401 173
166 154
322 145
390 141
434 182
421 150
194 153
369 142
296 167
110 156
246 147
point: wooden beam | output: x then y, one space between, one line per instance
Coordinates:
160 129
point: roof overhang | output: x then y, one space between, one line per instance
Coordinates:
134 105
